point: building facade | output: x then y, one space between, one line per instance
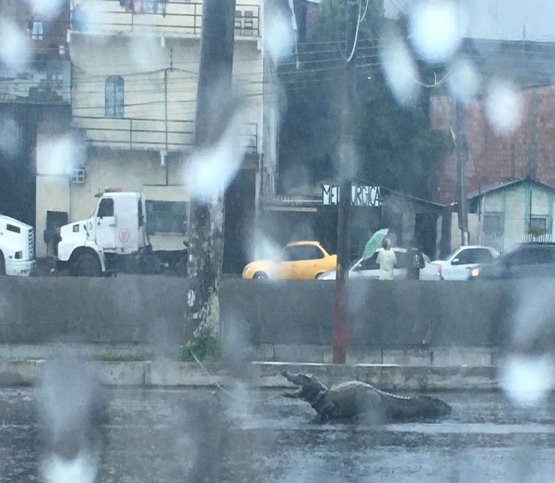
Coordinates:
133 102
34 97
513 212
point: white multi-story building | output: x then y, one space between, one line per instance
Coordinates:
134 85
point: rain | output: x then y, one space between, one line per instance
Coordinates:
276 240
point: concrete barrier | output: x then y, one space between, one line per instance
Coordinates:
127 309
400 322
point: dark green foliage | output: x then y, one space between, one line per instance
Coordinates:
396 146
204 345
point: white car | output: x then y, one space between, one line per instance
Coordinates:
369 268
457 265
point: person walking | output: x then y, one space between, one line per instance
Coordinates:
386 260
415 261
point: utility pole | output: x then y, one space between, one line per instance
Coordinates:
346 155
206 229
461 149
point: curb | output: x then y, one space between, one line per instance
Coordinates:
266 375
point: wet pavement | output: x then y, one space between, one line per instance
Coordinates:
201 435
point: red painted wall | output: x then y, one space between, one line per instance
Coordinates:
529 151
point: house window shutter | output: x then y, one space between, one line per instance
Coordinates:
115 96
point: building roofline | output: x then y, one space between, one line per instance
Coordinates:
505 184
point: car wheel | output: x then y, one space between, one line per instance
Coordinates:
318 275
88 266
260 276
2 264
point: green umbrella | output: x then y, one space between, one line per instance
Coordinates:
374 242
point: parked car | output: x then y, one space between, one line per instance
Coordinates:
300 259
458 264
526 260
369 268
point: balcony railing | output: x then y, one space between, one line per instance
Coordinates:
45 82
148 134
135 133
163 17
545 237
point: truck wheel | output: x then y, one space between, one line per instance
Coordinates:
87 266
260 276
2 264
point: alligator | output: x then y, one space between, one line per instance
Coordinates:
356 400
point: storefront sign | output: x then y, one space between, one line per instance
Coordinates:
360 195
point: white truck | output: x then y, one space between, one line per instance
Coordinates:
115 240
17 247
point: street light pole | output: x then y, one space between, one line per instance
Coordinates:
346 158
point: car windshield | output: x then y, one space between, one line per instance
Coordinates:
183 173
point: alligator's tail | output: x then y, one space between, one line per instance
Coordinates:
417 408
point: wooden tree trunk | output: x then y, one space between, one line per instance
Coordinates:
206 229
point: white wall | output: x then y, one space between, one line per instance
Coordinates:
141 63
514 204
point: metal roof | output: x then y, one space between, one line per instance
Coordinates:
505 184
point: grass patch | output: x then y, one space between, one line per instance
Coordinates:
204 345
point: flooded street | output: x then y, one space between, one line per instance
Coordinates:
197 435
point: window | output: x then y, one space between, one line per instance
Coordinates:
538 225
106 208
166 216
492 224
369 263
37 31
473 255
114 101
140 212
78 176
13 228
302 252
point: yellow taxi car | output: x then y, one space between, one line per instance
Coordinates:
300 260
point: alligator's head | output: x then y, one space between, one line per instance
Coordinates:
310 389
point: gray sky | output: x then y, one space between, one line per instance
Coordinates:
500 19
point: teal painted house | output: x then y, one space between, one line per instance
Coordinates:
513 212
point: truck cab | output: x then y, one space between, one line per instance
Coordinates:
119 223
17 247
116 230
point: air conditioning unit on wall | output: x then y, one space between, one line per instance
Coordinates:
78 176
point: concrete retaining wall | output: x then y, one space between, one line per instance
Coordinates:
126 309
402 322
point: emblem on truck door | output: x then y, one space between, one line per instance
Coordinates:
124 236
